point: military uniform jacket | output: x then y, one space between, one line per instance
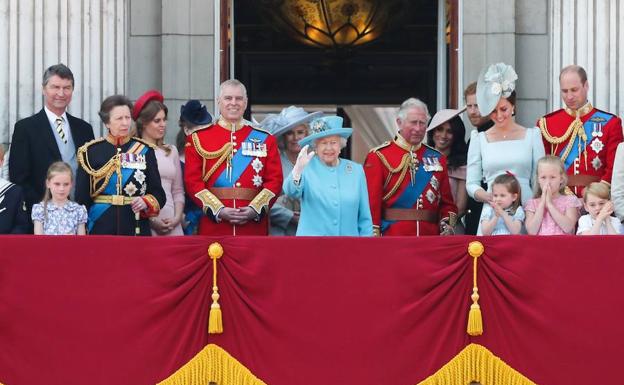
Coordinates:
13 214
111 173
232 165
560 128
389 169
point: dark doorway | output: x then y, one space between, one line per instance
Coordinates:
279 70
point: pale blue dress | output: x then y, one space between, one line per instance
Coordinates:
501 228
488 160
334 200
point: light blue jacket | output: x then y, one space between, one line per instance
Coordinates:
334 200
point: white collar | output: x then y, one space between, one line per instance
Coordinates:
4 183
52 116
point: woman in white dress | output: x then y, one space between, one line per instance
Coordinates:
506 146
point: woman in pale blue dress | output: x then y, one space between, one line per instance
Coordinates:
506 146
332 190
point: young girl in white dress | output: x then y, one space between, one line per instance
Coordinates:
504 216
56 214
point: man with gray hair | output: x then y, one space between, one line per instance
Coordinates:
408 184
233 169
50 135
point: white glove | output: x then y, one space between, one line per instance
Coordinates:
302 161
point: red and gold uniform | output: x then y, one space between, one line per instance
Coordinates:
585 140
408 189
232 165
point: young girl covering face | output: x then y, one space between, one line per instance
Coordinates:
552 211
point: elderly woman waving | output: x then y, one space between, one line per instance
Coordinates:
332 190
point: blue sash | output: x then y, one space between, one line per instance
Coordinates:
97 209
410 195
603 118
240 161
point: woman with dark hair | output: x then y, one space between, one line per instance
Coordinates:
446 134
150 115
118 179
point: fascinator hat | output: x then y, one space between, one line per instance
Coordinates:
195 113
498 80
287 119
326 126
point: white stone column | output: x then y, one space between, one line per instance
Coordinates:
89 36
589 33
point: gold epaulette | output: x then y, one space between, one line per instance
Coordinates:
84 147
383 145
223 153
104 173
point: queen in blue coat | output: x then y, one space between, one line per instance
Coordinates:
332 190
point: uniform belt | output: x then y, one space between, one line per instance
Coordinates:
582 179
115 200
243 193
410 215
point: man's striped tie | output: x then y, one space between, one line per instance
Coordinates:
59 129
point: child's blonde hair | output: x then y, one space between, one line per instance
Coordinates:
54 169
513 186
554 161
599 189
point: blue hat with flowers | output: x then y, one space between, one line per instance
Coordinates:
287 119
326 126
498 80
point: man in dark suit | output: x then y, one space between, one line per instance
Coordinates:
48 136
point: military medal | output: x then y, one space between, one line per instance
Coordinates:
139 176
130 189
135 161
257 180
434 183
597 145
596 163
257 165
431 196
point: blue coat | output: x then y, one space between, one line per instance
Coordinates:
334 200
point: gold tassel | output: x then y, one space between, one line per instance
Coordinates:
475 321
476 363
215 320
212 365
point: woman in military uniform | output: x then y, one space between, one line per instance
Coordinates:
118 179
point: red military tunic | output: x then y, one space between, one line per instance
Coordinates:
211 175
388 171
595 162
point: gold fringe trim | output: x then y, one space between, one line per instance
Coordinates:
476 363
215 321
475 320
212 364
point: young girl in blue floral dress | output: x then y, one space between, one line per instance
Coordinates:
56 214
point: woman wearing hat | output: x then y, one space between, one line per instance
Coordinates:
150 116
193 116
332 190
118 179
446 133
506 146
289 127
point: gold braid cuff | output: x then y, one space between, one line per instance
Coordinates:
376 231
209 201
223 153
261 200
153 207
